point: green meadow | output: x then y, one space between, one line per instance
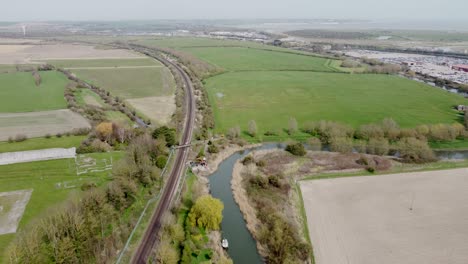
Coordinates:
271 98
19 93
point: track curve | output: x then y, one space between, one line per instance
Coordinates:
150 238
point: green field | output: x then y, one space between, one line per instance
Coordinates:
42 177
131 83
248 59
187 42
456 144
18 93
42 143
144 61
271 98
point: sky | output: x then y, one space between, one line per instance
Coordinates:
48 10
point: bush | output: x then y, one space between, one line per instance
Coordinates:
260 163
80 131
370 131
10 140
341 144
169 135
48 135
248 160
59 135
271 133
213 149
234 132
161 161
415 150
297 149
88 185
378 146
20 138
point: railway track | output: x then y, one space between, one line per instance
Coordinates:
150 238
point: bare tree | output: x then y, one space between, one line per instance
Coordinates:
252 128
292 127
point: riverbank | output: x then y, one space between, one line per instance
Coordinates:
213 160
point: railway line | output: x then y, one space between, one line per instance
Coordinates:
150 237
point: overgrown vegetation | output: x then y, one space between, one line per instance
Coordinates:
279 233
93 228
187 234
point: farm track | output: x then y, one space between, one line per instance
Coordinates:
150 236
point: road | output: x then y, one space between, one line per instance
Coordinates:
150 237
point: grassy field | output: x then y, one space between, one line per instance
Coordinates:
88 97
42 143
39 124
271 98
247 59
131 83
456 144
187 42
42 177
20 94
144 61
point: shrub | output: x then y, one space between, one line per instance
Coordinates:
10 140
297 149
161 161
213 149
234 132
169 135
271 133
378 146
59 135
20 138
248 160
415 150
341 144
48 135
370 131
260 163
88 185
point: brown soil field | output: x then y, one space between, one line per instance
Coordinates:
37 124
159 109
408 218
22 54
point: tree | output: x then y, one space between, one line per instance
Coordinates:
252 128
292 126
207 212
104 131
168 134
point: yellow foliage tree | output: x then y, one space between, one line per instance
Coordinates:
207 212
104 131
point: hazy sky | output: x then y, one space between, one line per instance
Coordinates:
216 9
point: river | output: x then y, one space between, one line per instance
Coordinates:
242 246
